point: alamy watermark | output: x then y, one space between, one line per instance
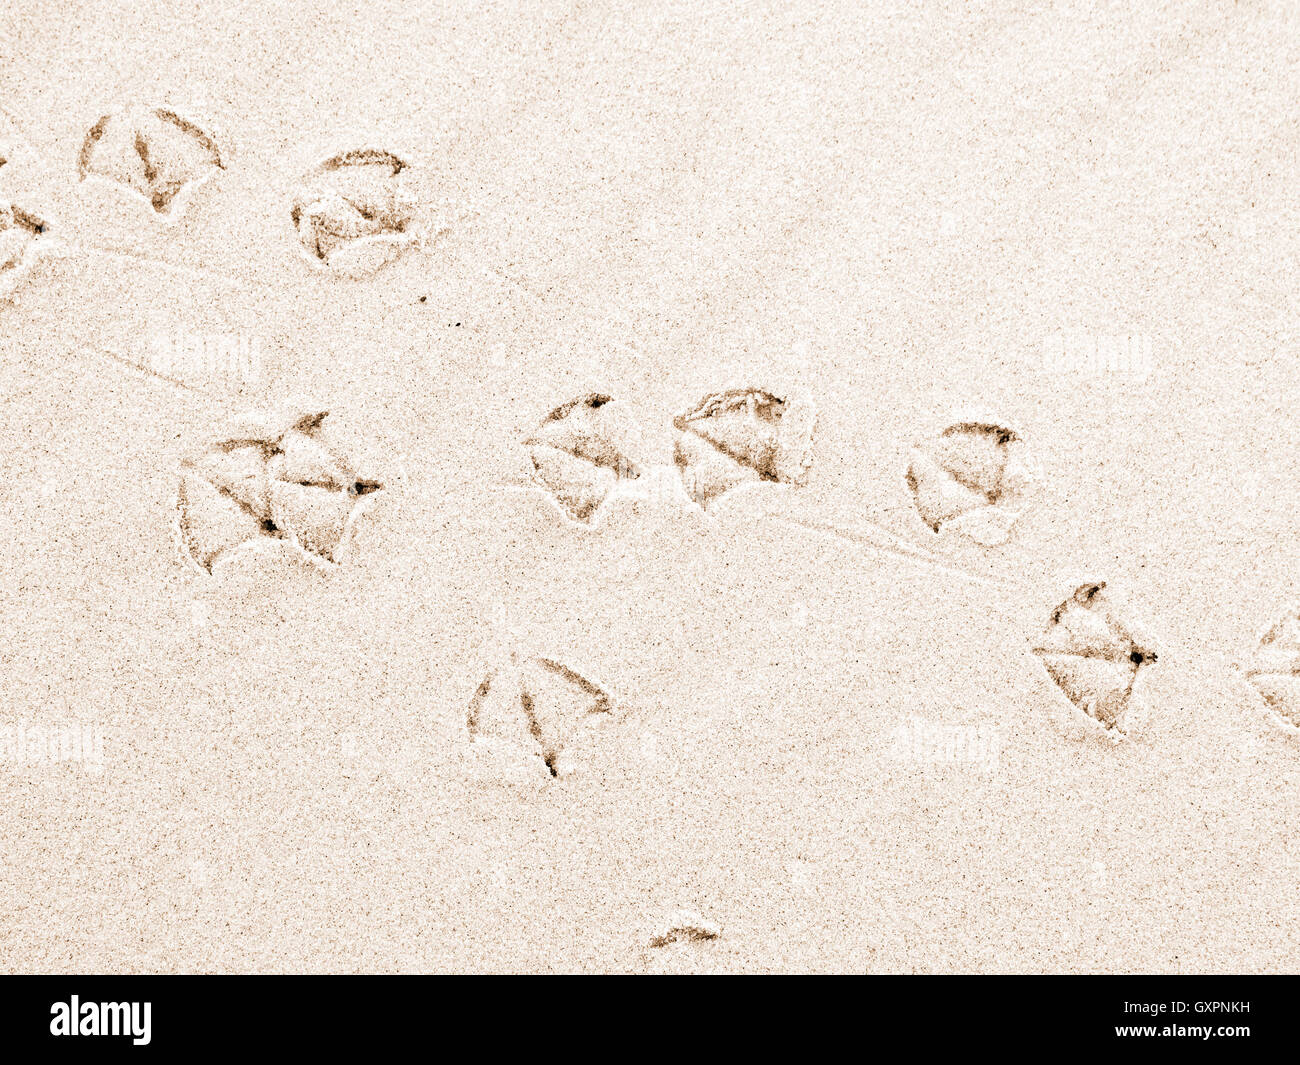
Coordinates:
213 356
927 743
26 744
1077 351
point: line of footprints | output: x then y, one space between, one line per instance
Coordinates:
580 452
282 481
351 213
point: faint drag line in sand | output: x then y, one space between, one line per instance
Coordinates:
866 536
149 371
877 537
188 273
191 273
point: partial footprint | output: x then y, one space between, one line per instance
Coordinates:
685 928
23 238
1275 668
535 709
1092 655
355 212
685 943
579 454
152 151
742 436
972 479
274 478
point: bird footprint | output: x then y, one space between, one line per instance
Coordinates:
579 454
23 237
742 436
355 212
972 478
153 152
273 479
536 708
1275 668
685 927
1092 655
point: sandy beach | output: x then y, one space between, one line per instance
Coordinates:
649 488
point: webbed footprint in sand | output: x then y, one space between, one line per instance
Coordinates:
1093 656
24 237
685 928
579 454
684 943
273 478
535 709
355 212
154 152
742 436
973 479
1274 670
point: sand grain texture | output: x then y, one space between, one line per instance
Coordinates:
831 742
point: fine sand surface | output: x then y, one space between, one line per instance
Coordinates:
813 734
